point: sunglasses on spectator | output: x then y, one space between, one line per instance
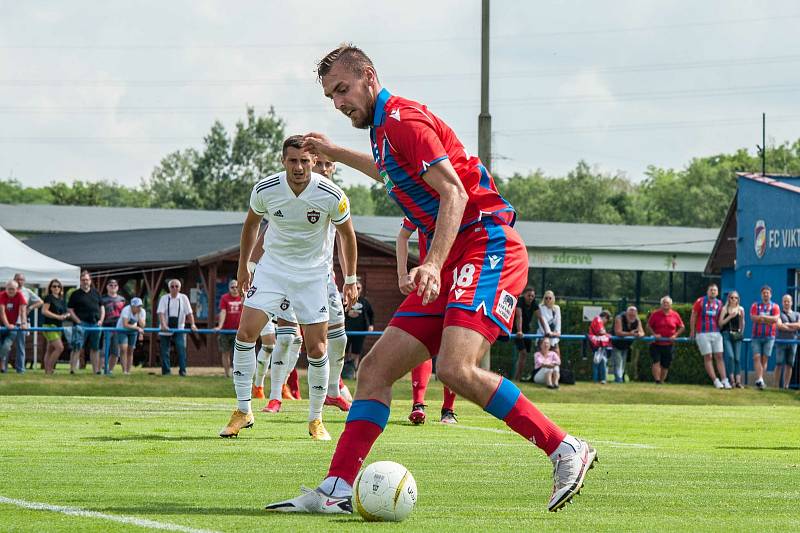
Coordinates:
174 286
54 285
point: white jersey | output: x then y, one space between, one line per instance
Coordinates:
297 239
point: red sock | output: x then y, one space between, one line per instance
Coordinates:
419 381
528 421
341 383
365 422
294 384
449 399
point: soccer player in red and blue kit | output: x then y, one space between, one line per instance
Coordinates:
704 328
451 197
421 374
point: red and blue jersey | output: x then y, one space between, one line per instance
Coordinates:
765 309
707 312
421 238
407 140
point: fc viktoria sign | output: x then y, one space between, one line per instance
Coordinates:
760 239
312 216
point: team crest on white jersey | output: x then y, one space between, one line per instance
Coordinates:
312 216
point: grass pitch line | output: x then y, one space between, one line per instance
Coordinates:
76 511
612 443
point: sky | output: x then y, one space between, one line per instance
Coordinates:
97 90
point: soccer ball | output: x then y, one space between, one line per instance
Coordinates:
385 492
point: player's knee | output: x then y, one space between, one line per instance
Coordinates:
315 350
450 371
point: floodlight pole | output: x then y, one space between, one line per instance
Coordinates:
485 119
763 144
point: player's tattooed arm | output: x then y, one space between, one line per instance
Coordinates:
443 179
319 143
246 243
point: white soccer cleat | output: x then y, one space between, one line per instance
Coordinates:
569 472
313 501
717 383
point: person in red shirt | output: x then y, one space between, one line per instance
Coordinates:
601 343
12 306
765 315
665 324
230 311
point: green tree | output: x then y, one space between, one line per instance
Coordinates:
384 205
97 193
170 185
13 192
361 202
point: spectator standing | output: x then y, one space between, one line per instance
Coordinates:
523 315
704 329
360 317
173 308
86 309
54 312
666 324
113 304
133 318
549 317
230 311
34 303
547 365
731 324
626 324
765 316
13 317
600 342
785 353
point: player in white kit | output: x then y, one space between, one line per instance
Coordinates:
287 344
299 206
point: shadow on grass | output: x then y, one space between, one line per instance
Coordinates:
758 448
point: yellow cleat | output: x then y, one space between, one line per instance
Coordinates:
317 430
238 421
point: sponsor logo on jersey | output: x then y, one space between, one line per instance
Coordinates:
323 309
760 238
493 259
285 304
343 206
278 214
459 293
505 306
251 291
312 216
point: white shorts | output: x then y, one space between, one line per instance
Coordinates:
541 375
275 292
269 329
709 343
335 307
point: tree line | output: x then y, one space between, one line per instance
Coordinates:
220 175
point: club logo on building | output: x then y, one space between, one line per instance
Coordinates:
284 304
312 216
760 238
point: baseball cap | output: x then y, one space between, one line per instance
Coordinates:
136 302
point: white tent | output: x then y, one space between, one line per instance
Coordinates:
38 268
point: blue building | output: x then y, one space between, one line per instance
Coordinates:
759 242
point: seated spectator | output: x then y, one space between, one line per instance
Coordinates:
173 308
113 304
626 324
785 353
86 309
54 312
547 365
667 325
13 309
549 318
133 318
34 303
523 315
600 342
731 325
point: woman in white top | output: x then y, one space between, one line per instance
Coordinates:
549 317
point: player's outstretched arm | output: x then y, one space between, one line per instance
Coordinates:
443 179
347 239
319 143
246 243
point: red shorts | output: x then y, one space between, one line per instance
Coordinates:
486 270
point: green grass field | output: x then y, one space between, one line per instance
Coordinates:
145 447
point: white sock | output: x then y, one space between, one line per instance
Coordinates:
262 363
570 445
337 342
318 371
336 487
280 355
293 355
244 366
